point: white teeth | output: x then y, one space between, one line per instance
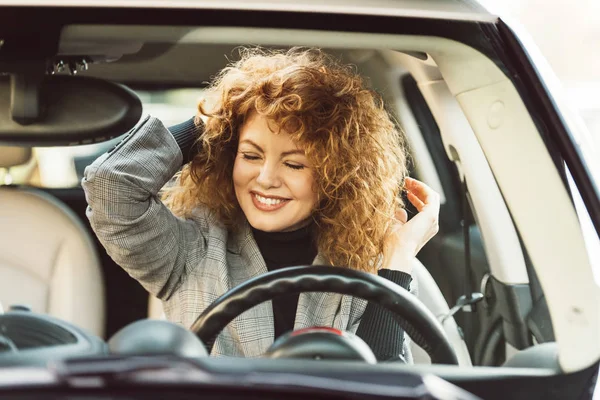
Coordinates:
268 201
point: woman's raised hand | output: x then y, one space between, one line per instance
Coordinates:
408 237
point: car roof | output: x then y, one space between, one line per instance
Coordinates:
465 10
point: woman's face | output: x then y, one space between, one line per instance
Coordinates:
272 177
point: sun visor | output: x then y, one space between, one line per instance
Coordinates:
62 110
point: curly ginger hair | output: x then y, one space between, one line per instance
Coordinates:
355 147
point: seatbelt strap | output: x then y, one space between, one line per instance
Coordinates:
467 301
469 305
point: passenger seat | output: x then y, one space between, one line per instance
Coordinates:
47 259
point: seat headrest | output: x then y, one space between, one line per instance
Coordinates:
11 156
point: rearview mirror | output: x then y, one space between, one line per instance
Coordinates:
61 110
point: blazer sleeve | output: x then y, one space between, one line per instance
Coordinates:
139 232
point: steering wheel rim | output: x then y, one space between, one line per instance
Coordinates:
408 311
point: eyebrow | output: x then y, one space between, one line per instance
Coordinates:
285 153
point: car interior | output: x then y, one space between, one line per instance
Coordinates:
493 276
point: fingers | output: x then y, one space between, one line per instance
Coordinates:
419 205
402 215
418 188
420 195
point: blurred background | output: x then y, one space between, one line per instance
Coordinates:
568 35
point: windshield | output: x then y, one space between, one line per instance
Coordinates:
363 202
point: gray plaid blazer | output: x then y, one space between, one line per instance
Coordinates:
188 263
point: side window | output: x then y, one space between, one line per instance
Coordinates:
450 218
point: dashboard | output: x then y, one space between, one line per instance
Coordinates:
161 358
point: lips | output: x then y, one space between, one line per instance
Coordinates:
268 203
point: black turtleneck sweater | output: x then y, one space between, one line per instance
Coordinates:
285 249
281 250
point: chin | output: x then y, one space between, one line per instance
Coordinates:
267 226
275 224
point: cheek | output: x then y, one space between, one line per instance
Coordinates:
303 189
242 175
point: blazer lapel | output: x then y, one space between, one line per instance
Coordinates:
254 328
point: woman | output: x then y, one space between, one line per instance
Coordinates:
297 163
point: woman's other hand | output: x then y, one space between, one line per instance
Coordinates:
409 237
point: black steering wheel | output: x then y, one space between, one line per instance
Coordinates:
412 315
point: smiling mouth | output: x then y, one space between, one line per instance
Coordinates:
267 203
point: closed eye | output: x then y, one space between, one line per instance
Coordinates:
250 157
295 166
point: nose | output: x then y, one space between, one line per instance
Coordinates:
268 176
